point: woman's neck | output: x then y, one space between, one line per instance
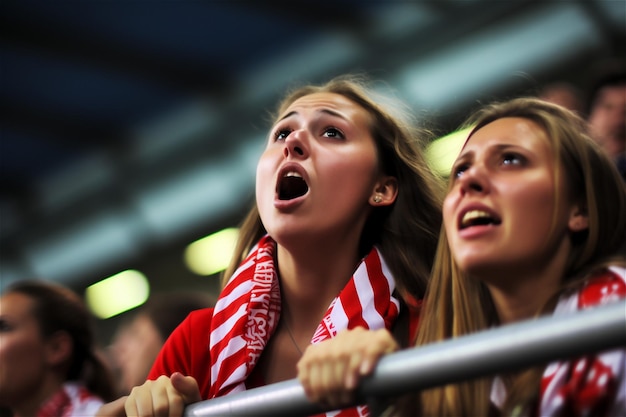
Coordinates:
311 279
521 292
522 303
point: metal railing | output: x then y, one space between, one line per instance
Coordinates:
503 349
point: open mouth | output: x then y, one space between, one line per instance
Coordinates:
291 185
478 218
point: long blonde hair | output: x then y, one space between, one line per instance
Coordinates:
456 305
406 232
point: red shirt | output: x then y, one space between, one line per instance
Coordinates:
187 350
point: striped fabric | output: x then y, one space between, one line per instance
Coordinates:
588 386
72 400
248 310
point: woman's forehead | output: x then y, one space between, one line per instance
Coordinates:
15 303
514 131
321 99
330 104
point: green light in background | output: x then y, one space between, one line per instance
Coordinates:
442 152
211 254
117 294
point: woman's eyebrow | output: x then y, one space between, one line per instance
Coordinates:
291 113
464 154
498 147
325 111
332 113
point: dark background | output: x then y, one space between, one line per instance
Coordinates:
131 128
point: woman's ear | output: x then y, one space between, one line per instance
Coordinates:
578 219
385 191
59 348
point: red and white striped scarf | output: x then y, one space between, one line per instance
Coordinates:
248 309
72 400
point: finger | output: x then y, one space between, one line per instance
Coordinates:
353 370
337 372
113 409
309 371
175 401
150 399
345 381
333 380
323 386
304 376
160 398
314 382
380 343
341 378
187 386
139 402
130 408
171 395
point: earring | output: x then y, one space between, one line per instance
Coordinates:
377 198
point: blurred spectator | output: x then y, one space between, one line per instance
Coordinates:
139 339
564 94
49 366
607 113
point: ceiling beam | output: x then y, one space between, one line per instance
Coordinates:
61 130
47 38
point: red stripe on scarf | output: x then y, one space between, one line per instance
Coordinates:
385 309
352 306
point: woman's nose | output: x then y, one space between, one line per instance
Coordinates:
474 180
295 145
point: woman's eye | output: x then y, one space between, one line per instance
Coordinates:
458 170
512 159
4 326
281 134
332 132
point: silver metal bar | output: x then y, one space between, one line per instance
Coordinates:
503 349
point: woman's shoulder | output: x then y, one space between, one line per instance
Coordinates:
603 287
195 326
203 314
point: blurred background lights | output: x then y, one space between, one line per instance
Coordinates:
442 152
211 254
117 294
